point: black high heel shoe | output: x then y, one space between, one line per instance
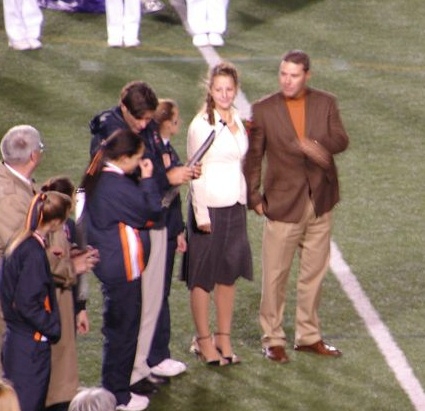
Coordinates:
195 349
233 359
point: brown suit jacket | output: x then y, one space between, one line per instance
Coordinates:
290 177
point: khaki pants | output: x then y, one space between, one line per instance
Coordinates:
311 237
152 295
64 382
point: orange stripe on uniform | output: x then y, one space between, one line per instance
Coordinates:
125 251
140 254
47 305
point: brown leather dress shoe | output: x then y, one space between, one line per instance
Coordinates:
276 353
321 348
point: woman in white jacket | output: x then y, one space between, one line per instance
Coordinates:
218 247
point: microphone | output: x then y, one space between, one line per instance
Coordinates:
201 150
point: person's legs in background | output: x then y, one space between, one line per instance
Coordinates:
114 22
132 17
23 21
216 21
197 21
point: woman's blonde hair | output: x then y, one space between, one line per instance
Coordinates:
225 69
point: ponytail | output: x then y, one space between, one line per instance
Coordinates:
44 207
93 170
35 212
209 108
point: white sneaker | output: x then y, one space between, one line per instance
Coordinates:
200 40
115 43
19 45
131 43
35 44
168 368
216 39
136 403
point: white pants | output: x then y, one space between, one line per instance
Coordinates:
123 20
22 19
152 295
207 16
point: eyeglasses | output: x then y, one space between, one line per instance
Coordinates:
41 147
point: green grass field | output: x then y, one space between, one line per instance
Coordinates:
370 54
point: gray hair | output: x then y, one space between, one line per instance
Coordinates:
18 143
93 399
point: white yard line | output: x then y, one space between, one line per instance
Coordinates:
393 355
391 352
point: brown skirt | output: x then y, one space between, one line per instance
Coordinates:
221 256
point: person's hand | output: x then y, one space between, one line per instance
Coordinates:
179 175
181 243
85 261
92 258
196 171
205 228
94 252
316 152
82 322
146 167
259 209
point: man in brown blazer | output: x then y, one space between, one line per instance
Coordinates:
297 131
21 150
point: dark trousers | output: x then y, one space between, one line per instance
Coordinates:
26 363
121 321
160 344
